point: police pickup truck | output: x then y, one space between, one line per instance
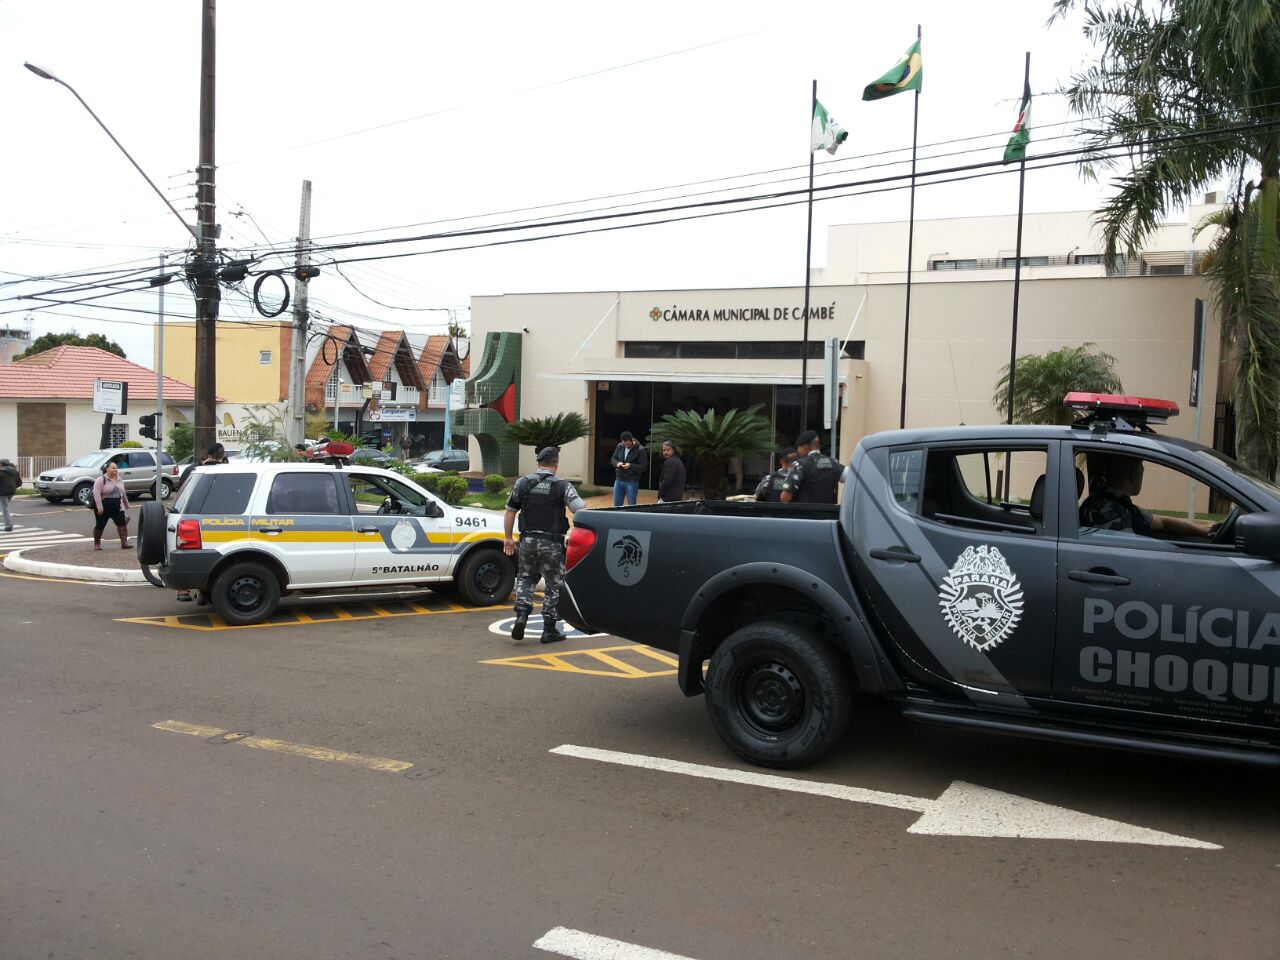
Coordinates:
243 534
1036 580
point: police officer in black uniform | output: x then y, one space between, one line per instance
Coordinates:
815 476
541 499
769 490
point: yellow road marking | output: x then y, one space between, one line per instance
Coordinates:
563 662
209 622
383 764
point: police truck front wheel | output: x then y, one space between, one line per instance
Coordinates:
778 696
485 578
245 593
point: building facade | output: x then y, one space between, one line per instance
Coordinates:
625 358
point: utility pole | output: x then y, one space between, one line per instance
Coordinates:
204 267
297 421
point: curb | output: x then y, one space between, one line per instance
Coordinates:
42 568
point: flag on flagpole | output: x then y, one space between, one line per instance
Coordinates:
827 134
906 74
1017 146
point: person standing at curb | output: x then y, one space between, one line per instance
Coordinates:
10 482
541 499
671 483
111 502
630 460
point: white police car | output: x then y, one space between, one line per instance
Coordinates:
246 533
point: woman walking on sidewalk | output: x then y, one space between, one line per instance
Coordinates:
110 503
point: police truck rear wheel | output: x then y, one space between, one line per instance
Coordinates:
151 533
245 593
485 578
778 696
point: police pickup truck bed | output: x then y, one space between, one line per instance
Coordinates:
998 578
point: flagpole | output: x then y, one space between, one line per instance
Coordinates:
808 253
911 230
1017 257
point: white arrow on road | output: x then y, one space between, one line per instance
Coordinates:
963 810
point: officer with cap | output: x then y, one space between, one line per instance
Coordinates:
813 477
769 490
541 499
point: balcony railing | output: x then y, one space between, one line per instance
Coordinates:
1149 263
351 395
400 396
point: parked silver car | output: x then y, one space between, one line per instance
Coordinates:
137 470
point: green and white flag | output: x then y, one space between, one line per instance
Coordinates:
1017 146
906 74
827 134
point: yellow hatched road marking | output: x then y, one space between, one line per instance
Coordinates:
301 616
382 764
562 662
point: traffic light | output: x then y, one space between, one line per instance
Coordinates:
148 426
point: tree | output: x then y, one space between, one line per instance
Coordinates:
1042 383
714 439
539 432
1184 91
182 441
47 341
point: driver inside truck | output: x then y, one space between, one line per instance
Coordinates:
1114 480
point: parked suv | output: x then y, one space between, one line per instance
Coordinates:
244 534
137 469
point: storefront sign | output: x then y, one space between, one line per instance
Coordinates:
741 314
392 414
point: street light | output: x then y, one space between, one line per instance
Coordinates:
46 75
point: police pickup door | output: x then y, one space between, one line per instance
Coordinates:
956 579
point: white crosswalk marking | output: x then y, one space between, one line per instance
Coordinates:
22 538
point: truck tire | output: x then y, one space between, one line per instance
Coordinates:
778 696
151 533
245 593
485 577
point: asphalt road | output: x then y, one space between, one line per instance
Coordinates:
270 815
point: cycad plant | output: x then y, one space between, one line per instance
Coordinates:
539 432
1044 380
714 438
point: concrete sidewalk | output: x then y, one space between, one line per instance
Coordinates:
79 561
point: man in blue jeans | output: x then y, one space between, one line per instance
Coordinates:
630 461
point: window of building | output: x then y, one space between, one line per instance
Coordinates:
119 434
1166 269
1090 259
707 350
1026 261
264 357
437 390
968 264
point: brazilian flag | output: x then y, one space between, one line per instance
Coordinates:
904 75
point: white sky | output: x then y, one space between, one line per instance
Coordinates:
410 112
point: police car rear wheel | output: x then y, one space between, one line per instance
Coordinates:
486 578
777 696
151 533
245 593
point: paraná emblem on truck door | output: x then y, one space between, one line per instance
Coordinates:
981 598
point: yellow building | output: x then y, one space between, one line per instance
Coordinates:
252 359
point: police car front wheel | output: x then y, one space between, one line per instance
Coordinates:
245 593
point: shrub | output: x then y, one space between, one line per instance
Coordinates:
495 483
452 490
182 441
130 444
428 481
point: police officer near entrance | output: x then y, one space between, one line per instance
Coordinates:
813 477
541 499
769 490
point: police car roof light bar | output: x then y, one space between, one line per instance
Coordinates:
1120 411
338 452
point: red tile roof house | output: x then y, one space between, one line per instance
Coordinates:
46 405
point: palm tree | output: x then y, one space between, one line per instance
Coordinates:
539 432
714 439
1043 382
1184 93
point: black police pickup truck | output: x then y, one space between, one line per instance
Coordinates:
1035 580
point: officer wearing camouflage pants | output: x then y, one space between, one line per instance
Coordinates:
541 499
